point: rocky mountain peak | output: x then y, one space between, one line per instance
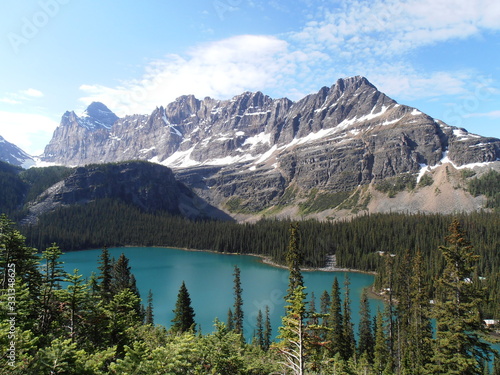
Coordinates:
254 147
12 154
98 115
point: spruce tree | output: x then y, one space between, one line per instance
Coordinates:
259 333
365 333
324 308
294 260
268 331
349 346
335 337
381 352
238 302
458 346
230 320
106 275
76 301
184 313
52 275
419 345
120 275
149 316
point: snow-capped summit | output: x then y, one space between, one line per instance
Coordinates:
98 115
12 154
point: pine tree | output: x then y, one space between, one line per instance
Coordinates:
268 331
106 275
238 302
324 308
312 310
75 298
381 349
184 313
293 333
149 316
52 275
349 346
230 320
335 335
259 335
293 330
120 275
419 345
458 347
365 333
294 260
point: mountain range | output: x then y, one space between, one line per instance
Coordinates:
345 149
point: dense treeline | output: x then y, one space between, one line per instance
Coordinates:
358 244
24 185
487 185
401 340
99 326
55 322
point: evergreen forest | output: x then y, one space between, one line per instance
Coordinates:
59 323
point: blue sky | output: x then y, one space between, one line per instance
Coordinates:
439 56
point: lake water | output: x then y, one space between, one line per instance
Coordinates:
209 279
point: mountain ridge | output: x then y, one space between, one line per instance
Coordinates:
250 154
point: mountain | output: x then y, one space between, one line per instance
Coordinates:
253 153
150 187
12 154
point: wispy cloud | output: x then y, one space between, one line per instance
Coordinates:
491 115
21 96
34 93
218 69
27 131
379 38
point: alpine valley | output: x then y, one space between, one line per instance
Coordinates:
345 150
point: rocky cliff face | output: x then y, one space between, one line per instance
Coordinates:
148 186
12 154
252 150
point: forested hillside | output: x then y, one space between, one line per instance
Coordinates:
357 244
101 325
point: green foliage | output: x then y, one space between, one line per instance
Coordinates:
234 204
458 347
95 333
488 185
317 202
426 180
40 179
13 188
183 313
238 315
393 185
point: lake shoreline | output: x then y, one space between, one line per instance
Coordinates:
268 260
262 258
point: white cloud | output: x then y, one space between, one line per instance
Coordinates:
32 93
491 114
379 40
21 96
30 132
395 27
219 69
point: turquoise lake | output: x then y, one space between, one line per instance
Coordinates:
209 279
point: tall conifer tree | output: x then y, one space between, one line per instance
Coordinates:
459 349
184 313
106 275
268 331
238 315
365 332
348 330
335 335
